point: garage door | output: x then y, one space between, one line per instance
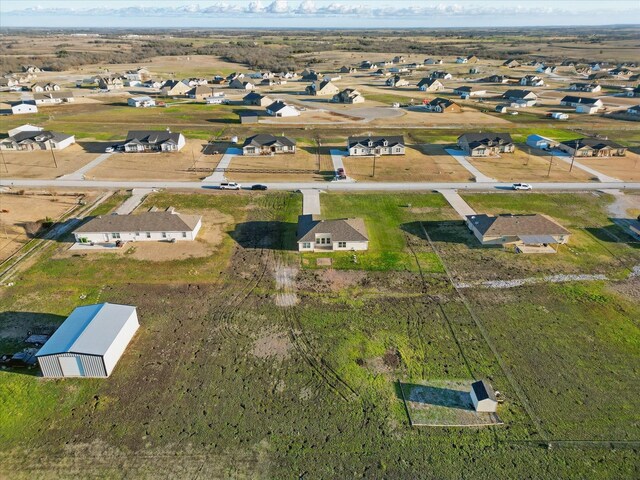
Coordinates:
71 366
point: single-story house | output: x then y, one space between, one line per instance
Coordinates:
257 99
573 101
525 96
367 146
461 60
543 143
396 81
144 141
511 63
45 87
200 92
324 88
51 98
348 95
267 144
90 342
472 59
592 147
588 109
520 230
281 109
483 397
173 88
110 82
23 108
467 91
499 79
38 139
31 69
216 100
433 61
345 69
430 85
24 128
141 102
486 144
240 85
341 234
585 87
441 75
532 81
442 105
144 227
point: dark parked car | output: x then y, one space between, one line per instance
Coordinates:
258 187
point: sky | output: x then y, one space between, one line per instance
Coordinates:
315 13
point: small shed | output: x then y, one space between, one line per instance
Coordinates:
89 342
483 397
248 116
543 143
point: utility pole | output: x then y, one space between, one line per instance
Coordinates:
318 151
4 162
374 165
53 154
573 157
193 157
550 164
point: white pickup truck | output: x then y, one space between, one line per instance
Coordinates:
230 186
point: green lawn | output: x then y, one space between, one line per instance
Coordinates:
391 225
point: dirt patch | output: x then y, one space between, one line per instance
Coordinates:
272 344
285 282
629 288
338 280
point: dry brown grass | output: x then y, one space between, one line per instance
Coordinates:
520 166
421 163
18 211
623 168
157 166
39 163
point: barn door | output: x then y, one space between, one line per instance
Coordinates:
71 366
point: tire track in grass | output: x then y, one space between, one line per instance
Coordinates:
487 338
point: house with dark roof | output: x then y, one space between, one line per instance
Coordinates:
200 92
168 226
585 87
442 105
257 99
469 91
282 109
486 144
532 81
396 81
36 139
348 95
635 110
525 232
511 63
144 141
592 147
267 144
367 146
483 397
517 95
327 235
430 85
573 101
53 97
324 88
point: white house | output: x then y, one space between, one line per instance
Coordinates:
90 342
145 141
483 397
24 128
281 109
322 235
366 146
23 108
141 102
588 109
543 143
38 139
168 226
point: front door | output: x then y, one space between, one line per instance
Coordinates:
71 366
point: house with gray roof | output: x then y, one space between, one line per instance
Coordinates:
168 226
522 231
342 234
573 101
593 147
53 97
257 99
486 144
145 141
430 85
267 144
367 146
37 139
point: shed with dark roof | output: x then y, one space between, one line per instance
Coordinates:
483 397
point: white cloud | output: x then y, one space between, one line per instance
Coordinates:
278 6
307 7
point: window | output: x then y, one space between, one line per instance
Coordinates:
148 234
318 240
398 149
342 244
184 234
115 235
164 234
306 245
137 234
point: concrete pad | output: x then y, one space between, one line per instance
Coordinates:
458 203
310 202
460 157
225 161
336 159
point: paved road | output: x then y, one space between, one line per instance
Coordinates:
310 202
458 203
566 158
462 160
225 161
328 186
79 174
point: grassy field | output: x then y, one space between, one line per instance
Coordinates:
220 382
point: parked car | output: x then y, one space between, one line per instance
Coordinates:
110 150
340 173
258 187
521 186
230 186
